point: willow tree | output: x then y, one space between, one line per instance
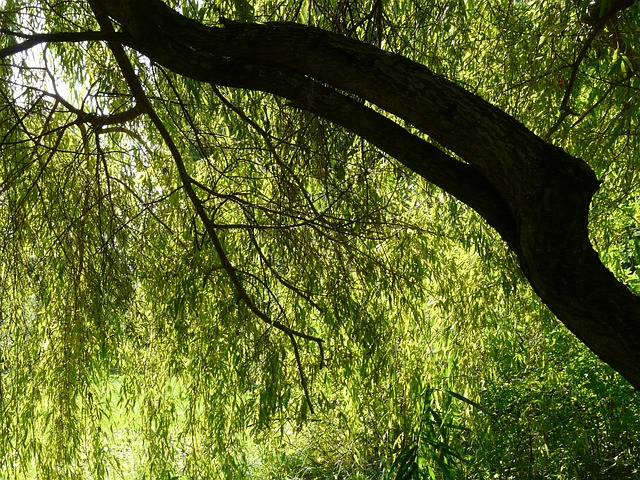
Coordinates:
237 196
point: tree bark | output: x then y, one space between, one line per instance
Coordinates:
534 194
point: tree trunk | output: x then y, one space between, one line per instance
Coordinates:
534 194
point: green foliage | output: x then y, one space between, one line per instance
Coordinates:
429 448
127 352
574 417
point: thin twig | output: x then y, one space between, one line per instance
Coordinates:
57 37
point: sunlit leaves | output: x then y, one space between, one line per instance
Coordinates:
128 353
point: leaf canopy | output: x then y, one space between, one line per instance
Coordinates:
347 318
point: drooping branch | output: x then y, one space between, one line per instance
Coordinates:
536 195
187 183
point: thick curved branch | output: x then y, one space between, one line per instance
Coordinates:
463 181
480 133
